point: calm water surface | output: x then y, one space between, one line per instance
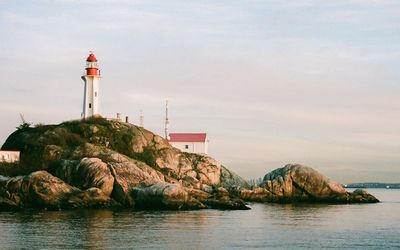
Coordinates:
367 226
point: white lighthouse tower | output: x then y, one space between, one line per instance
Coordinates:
91 102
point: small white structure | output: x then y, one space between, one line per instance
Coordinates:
9 156
91 103
189 142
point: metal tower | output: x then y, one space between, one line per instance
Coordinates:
141 118
166 120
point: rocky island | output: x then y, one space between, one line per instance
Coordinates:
104 163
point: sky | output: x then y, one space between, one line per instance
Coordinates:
272 82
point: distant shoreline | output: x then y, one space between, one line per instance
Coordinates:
373 185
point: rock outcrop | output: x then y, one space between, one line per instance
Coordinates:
88 173
165 196
42 190
298 183
106 161
47 147
102 163
362 196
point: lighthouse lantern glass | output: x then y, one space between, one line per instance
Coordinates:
91 64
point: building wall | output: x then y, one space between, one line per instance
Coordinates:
191 147
9 156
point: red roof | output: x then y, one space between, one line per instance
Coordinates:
91 58
187 137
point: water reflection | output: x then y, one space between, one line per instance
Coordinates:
47 229
265 226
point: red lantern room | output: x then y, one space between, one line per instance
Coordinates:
91 66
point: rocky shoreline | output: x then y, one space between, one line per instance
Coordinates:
98 163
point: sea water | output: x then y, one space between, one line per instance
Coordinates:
265 226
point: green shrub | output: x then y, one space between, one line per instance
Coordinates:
13 169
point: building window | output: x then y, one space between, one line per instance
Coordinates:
186 146
90 105
95 94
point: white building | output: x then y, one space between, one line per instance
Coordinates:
91 100
189 142
9 156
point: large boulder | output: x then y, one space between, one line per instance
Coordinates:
12 196
193 169
257 194
88 173
89 198
221 199
39 189
298 183
42 190
164 196
362 196
130 174
45 190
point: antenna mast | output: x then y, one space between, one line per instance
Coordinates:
141 118
166 120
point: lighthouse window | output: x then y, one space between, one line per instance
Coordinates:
95 94
90 105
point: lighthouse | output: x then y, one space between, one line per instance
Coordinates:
91 77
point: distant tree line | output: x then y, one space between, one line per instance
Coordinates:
373 185
255 182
